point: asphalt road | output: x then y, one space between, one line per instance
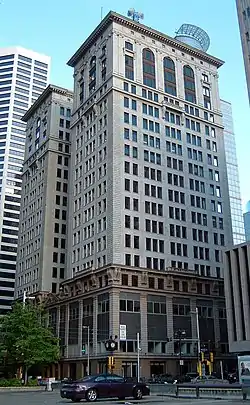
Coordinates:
47 398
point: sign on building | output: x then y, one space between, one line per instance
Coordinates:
244 369
123 332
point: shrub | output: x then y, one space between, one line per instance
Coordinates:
32 383
13 382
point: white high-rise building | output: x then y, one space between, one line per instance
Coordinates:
23 77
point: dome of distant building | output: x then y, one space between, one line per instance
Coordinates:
193 36
248 206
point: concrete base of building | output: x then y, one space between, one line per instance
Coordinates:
123 365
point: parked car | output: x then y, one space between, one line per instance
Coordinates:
190 376
103 386
208 379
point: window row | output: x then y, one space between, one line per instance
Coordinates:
151 141
197 185
153 208
178 231
194 154
175 180
169 75
131 151
131 203
174 148
128 166
150 110
152 174
174 163
195 170
132 241
154 226
130 135
132 186
152 157
177 213
151 125
152 191
155 245
178 249
173 133
201 253
200 236
198 202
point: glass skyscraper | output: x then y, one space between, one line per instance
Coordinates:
243 9
233 174
23 77
247 222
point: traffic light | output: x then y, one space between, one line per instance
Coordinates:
111 362
202 356
111 345
83 349
211 357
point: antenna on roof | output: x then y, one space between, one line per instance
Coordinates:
136 16
101 12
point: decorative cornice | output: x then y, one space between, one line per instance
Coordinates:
49 89
144 30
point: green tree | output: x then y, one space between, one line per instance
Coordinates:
25 338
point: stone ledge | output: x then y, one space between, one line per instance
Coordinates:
22 389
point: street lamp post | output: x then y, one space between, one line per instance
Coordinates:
27 297
138 357
88 339
196 313
180 334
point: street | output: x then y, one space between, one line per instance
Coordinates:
45 398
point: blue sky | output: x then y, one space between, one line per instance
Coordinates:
58 27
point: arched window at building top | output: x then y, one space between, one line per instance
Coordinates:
148 68
169 76
92 74
189 84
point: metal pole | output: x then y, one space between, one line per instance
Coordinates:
221 370
198 339
198 331
88 351
180 353
138 357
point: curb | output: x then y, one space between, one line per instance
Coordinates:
21 389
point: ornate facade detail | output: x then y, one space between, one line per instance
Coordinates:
193 285
144 278
170 282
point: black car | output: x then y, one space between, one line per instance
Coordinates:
103 386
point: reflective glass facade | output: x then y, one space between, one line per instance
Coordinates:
233 174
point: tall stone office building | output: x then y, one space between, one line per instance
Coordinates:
24 74
149 202
42 243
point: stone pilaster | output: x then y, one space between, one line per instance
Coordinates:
144 323
170 324
245 297
58 317
95 312
216 324
193 322
80 325
114 312
67 331
237 304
